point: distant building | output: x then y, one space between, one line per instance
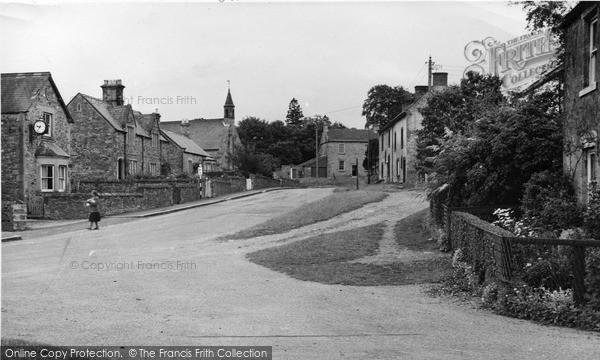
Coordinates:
218 137
36 136
398 138
582 95
341 154
183 154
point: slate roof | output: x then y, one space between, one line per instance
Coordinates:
349 135
147 121
210 134
187 144
50 149
19 90
102 108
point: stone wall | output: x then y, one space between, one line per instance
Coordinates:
225 186
12 150
261 182
14 215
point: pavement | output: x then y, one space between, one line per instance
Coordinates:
42 226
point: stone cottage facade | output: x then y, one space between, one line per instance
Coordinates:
110 139
183 154
398 138
34 163
582 95
339 152
218 137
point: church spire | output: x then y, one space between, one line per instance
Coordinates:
229 108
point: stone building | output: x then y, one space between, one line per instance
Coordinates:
582 95
339 151
398 138
36 136
111 140
183 155
218 137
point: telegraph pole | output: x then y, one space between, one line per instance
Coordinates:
430 73
317 149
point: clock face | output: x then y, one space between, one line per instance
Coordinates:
39 127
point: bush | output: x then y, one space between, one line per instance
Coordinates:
549 202
591 214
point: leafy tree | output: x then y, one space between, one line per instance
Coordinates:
546 15
384 103
255 132
455 110
502 151
248 161
294 114
371 161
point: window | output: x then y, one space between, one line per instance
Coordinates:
133 167
342 148
389 136
190 166
130 135
154 140
153 169
402 138
62 178
591 166
48 120
395 140
78 106
47 177
120 169
591 54
341 165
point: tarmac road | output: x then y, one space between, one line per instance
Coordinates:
166 280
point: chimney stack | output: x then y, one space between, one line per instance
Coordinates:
112 92
440 80
185 127
420 90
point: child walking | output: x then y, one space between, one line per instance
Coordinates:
94 206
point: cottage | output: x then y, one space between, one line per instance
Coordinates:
218 137
341 154
111 140
184 155
36 136
398 138
582 95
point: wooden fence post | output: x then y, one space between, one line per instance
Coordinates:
578 275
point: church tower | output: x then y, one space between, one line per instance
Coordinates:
229 108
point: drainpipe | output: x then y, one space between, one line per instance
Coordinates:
23 189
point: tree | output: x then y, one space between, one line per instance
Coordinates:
248 161
255 132
294 114
455 110
371 161
384 103
502 151
546 15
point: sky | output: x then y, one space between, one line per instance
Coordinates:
181 57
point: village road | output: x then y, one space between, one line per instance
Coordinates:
170 280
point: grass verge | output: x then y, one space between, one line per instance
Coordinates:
412 232
326 259
321 210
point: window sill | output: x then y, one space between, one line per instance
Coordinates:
588 89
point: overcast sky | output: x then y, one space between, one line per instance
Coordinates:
178 57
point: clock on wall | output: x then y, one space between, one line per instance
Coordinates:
40 127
